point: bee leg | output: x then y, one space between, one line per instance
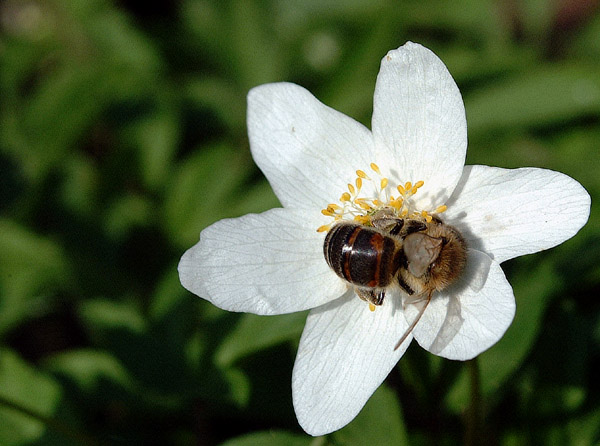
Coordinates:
373 296
405 286
413 226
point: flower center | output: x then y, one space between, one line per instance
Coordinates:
395 202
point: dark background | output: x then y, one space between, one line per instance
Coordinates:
122 135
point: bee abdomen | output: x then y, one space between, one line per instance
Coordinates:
362 256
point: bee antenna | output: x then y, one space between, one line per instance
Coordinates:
414 323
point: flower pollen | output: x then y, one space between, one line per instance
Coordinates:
361 209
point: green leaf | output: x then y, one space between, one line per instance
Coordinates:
155 137
89 370
546 96
28 390
32 268
379 422
202 191
271 438
254 333
126 213
102 315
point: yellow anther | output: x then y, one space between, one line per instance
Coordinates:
323 228
371 306
397 204
362 204
362 208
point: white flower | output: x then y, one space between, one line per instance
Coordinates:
273 263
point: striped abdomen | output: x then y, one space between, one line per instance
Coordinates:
362 255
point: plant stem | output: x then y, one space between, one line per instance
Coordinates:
474 414
52 423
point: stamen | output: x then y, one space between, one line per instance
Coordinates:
363 209
345 197
396 204
371 306
362 204
323 228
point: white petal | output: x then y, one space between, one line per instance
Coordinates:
464 321
345 353
270 263
307 151
512 212
419 122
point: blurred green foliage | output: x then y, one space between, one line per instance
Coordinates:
122 135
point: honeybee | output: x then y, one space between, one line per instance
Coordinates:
419 257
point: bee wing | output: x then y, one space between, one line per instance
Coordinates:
421 251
